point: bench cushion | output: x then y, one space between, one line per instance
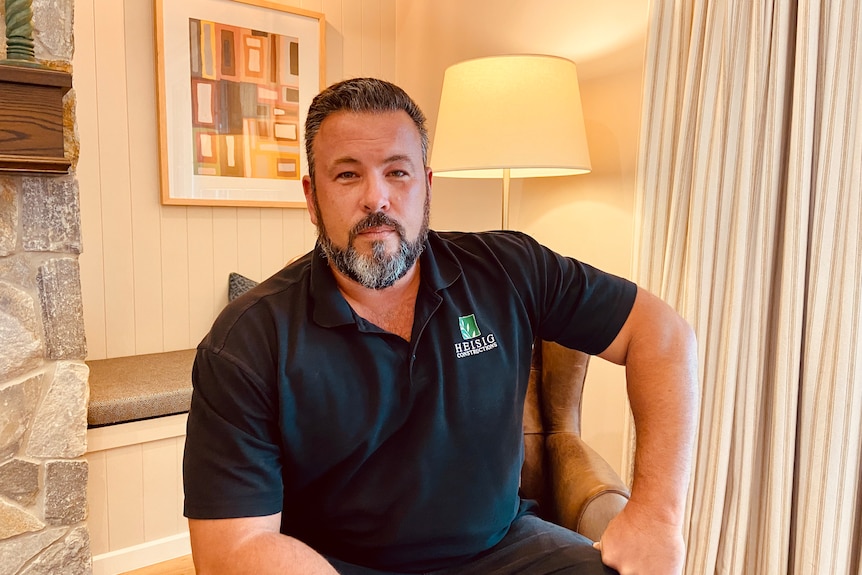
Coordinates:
139 387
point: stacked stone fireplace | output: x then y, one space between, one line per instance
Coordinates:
43 378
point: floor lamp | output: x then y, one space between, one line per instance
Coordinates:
510 117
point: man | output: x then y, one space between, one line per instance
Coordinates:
360 411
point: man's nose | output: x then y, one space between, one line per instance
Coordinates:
376 194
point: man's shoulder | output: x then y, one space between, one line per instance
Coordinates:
502 241
289 283
510 250
284 292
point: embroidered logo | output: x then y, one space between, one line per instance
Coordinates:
474 342
468 326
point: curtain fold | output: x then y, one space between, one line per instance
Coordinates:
748 215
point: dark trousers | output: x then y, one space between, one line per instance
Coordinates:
532 547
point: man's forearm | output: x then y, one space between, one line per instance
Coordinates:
217 551
662 388
659 351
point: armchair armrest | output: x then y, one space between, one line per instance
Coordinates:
586 490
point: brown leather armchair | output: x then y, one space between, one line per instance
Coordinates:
574 486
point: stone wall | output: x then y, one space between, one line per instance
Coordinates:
43 378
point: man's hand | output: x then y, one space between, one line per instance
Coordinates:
635 543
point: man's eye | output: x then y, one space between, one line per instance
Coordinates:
346 175
398 173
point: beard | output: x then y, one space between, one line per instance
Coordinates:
377 270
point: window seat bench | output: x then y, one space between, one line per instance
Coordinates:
135 438
137 387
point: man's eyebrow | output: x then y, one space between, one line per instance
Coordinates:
391 159
399 158
344 160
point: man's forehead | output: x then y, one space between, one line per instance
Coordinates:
346 127
371 117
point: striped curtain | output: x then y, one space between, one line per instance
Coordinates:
749 217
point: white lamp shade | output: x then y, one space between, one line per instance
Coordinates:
521 113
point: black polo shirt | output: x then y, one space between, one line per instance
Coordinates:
397 455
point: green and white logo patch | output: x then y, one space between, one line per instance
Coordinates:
473 342
468 326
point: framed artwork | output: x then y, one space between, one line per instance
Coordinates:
235 79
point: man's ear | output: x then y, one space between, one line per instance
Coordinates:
308 190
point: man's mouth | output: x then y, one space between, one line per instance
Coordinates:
376 230
376 225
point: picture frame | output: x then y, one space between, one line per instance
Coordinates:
235 80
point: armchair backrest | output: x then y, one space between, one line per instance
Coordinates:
573 485
553 405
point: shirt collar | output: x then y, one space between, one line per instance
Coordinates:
330 308
440 267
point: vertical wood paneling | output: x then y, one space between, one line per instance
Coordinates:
175 278
294 231
225 254
125 501
351 31
97 503
182 523
334 41
135 490
371 45
272 247
309 235
201 266
115 178
161 496
388 52
154 277
144 180
88 171
248 241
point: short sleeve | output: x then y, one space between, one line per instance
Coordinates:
596 304
232 462
573 303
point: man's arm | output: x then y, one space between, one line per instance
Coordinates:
659 351
251 546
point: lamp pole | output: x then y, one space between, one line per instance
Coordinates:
506 177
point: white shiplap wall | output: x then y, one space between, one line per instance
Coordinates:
135 494
154 277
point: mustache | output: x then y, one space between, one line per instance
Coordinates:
374 220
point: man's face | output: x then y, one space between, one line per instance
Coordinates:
371 195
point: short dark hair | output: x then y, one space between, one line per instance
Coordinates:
360 95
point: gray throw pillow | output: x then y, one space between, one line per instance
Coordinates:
237 285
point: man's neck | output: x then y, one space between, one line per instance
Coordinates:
389 308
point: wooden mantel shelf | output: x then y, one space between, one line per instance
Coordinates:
31 120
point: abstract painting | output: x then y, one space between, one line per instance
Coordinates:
245 101
234 87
